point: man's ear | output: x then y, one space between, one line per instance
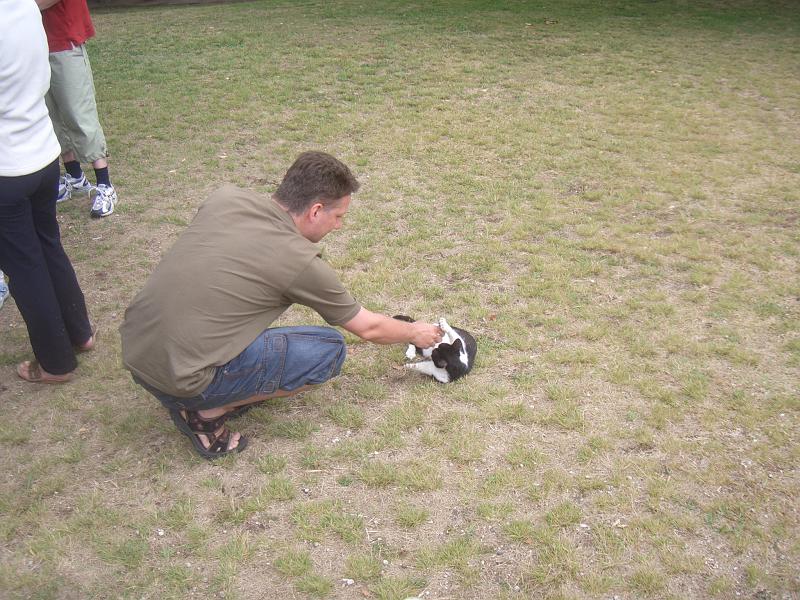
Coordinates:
315 209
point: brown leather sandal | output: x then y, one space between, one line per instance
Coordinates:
31 370
192 425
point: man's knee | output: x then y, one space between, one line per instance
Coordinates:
334 351
314 355
341 353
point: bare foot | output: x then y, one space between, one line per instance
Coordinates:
88 344
31 371
219 434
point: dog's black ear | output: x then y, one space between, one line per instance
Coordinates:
457 345
403 318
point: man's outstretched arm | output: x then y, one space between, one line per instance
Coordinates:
381 329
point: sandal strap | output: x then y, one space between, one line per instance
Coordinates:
34 371
219 443
205 426
219 436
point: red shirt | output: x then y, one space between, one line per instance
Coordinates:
67 24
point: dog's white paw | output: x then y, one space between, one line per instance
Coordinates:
411 352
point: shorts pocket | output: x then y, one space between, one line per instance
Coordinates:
240 378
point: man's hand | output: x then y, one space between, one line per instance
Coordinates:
381 329
425 335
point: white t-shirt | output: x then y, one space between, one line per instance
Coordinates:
27 140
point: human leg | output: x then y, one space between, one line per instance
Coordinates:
241 407
69 157
73 108
279 363
71 101
65 283
209 435
207 429
73 180
30 249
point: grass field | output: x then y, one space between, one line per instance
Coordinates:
607 194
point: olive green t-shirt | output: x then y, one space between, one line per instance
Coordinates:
238 266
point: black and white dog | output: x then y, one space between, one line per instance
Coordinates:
450 359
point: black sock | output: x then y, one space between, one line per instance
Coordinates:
102 176
73 167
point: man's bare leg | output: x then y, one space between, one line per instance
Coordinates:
69 156
213 413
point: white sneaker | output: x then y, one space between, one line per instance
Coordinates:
68 184
64 190
104 200
3 290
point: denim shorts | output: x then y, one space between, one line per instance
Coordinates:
283 358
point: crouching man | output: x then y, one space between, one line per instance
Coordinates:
198 335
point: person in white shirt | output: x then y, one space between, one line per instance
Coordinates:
41 278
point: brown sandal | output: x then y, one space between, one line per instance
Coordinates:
192 425
31 370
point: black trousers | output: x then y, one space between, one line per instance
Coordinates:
41 278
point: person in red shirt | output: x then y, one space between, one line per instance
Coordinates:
72 105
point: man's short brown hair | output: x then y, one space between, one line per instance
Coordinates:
315 177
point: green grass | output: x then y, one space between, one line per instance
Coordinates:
605 194
409 516
293 564
315 520
363 567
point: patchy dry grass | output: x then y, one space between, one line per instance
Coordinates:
606 194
